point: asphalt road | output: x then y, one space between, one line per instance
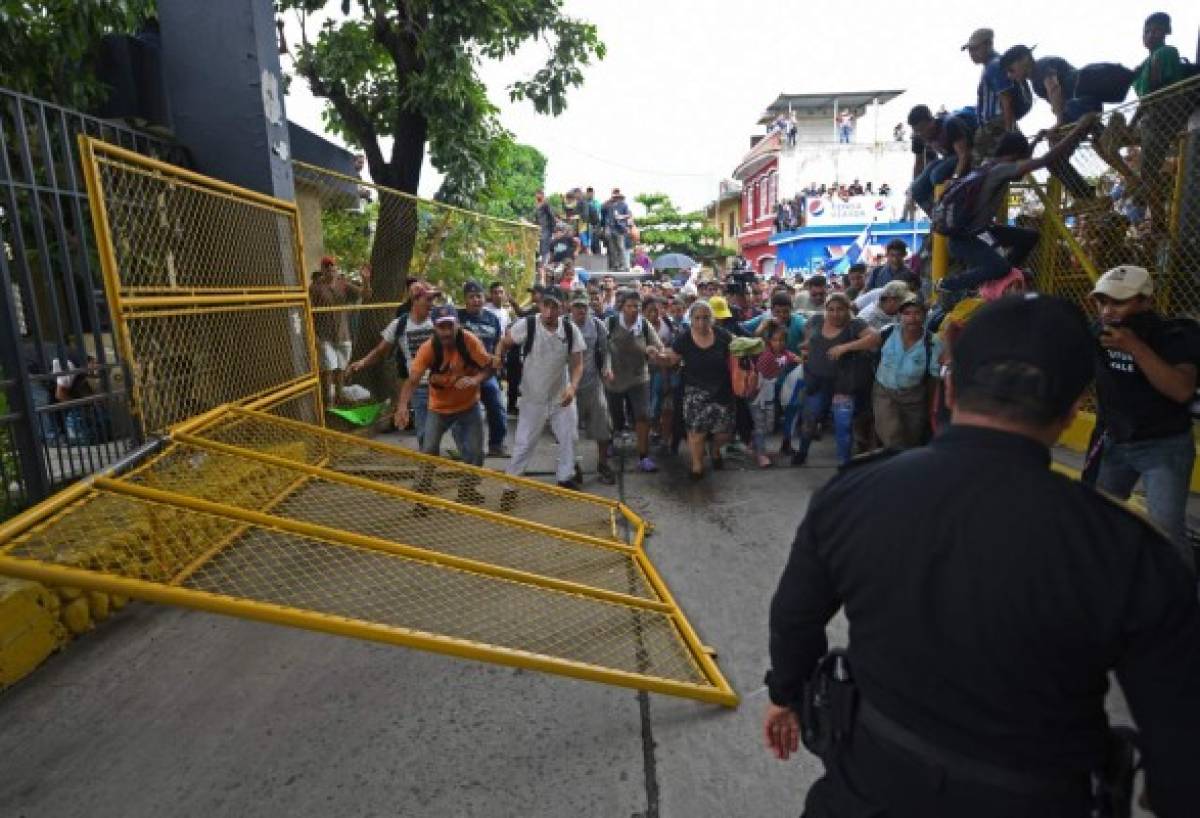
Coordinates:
171 712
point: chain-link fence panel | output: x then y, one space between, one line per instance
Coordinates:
270 532
1129 194
204 281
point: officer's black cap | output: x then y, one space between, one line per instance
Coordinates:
1033 350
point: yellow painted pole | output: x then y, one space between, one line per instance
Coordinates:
207 299
361 541
390 305
941 249
355 628
277 395
108 270
1053 216
687 633
403 494
400 451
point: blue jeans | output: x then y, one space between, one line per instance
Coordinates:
816 405
466 428
1165 467
984 262
844 132
934 174
497 416
420 408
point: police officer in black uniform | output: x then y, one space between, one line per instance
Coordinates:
988 598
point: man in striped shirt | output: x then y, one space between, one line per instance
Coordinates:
1000 102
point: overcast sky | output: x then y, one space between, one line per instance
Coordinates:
672 106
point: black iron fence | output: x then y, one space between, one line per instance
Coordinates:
63 401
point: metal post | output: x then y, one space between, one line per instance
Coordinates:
941 248
20 396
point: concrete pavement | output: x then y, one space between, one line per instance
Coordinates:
170 712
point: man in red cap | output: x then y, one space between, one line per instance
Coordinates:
331 288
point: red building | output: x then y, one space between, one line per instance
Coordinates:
759 175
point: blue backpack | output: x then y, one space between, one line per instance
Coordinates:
955 212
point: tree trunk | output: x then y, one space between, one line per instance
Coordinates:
392 248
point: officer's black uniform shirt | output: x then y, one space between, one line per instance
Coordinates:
987 598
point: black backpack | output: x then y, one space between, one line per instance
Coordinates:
531 329
956 210
1105 81
646 329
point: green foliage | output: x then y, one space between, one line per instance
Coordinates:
453 248
520 173
664 229
408 70
347 234
48 47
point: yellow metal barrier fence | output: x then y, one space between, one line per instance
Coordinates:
282 526
205 284
244 506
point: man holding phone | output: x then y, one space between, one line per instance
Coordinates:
1145 383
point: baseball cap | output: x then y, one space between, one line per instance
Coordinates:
720 307
472 287
894 289
1124 282
978 37
911 298
443 312
579 298
325 260
552 294
1032 350
417 290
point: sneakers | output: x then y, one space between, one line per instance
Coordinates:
498 450
764 462
568 484
799 458
606 475
647 465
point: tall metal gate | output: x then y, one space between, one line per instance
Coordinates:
63 403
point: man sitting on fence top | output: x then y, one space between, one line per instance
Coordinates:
976 238
331 288
457 364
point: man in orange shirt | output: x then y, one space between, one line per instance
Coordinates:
457 364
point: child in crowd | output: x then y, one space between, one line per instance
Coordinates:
769 364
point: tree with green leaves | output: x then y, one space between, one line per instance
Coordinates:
49 48
664 229
408 71
520 173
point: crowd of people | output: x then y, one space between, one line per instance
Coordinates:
586 226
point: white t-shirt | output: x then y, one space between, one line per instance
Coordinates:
868 298
415 334
546 370
501 315
876 318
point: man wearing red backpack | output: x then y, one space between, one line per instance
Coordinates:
967 210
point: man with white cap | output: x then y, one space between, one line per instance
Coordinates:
1145 382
